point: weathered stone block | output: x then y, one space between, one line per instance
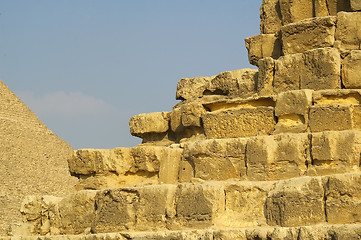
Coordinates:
335 6
156 207
90 161
351 73
157 122
262 46
191 114
277 157
336 151
219 159
321 69
320 8
332 117
115 210
294 11
244 204
186 172
287 73
265 76
169 165
271 18
77 212
296 202
308 34
239 83
199 205
243 122
191 88
343 199
147 158
355 5
348 32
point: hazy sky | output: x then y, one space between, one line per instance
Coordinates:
86 66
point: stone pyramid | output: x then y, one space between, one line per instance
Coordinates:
32 158
272 153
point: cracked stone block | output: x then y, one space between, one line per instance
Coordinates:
348 32
287 73
296 202
265 76
308 34
192 88
343 199
262 46
277 157
217 159
294 11
351 72
271 18
243 122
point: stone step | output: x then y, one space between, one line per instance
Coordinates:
304 201
319 232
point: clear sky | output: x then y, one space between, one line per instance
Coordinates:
86 66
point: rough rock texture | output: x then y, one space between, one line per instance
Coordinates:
33 159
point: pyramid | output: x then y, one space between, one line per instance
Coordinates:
272 153
33 159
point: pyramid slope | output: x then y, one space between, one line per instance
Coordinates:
33 159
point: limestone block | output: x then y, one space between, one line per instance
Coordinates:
186 172
342 231
77 212
321 69
331 117
277 157
229 234
176 120
169 165
244 205
262 46
115 210
218 159
271 18
265 76
294 11
147 158
343 199
336 151
320 8
90 161
308 34
199 205
288 73
273 233
191 114
355 5
157 122
348 31
351 74
243 122
296 202
156 207
335 6
234 83
191 88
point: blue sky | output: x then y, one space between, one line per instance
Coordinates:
86 66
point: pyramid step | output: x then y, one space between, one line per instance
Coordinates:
304 201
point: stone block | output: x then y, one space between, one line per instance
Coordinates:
351 73
191 114
186 172
335 6
343 199
243 122
274 233
192 88
91 161
331 117
266 72
147 158
348 32
77 212
329 231
148 123
244 204
262 46
277 157
288 73
321 69
296 202
199 205
294 11
239 83
355 5
308 34
320 8
218 159
336 151
156 207
169 165
115 210
271 18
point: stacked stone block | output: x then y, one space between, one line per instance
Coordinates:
272 153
